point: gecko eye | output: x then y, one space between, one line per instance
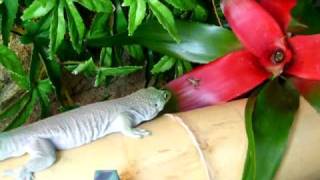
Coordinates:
165 95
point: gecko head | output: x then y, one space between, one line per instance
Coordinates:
156 100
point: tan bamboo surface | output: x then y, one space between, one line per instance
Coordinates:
170 153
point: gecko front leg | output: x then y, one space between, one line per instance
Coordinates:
124 123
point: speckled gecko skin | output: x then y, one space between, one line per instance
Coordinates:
78 127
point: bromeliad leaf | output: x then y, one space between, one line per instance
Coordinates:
12 64
163 65
75 26
57 28
272 117
137 13
116 71
104 6
8 11
310 90
165 17
38 9
200 43
183 4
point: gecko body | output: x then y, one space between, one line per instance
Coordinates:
78 127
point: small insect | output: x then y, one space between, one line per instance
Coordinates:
194 82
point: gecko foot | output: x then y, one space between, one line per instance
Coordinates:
19 174
136 133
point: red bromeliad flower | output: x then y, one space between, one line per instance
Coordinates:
261 28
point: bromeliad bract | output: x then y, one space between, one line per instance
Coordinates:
269 51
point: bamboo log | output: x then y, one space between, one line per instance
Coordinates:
171 153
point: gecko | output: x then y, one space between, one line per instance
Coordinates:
80 126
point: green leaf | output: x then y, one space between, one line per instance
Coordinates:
116 71
53 70
14 108
37 31
106 57
43 90
137 13
97 5
163 65
135 51
121 22
99 26
165 17
75 26
307 12
87 67
12 64
200 43
57 28
272 118
200 13
309 89
24 114
8 11
183 4
38 9
35 67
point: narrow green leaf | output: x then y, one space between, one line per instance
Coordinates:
135 51
137 13
35 67
200 13
12 64
53 70
24 114
309 89
200 43
116 71
307 13
163 65
165 17
183 4
106 57
8 12
37 31
57 28
179 69
272 117
75 26
99 26
43 90
14 108
87 67
97 5
187 65
38 9
121 22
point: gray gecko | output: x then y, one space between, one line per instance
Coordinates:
78 127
